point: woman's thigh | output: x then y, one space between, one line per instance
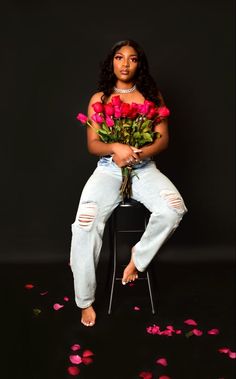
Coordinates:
101 191
155 190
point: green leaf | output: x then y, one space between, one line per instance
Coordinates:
101 131
189 334
146 124
147 137
137 135
37 311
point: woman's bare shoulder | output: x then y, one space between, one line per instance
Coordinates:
96 97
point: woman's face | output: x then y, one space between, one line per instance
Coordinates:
125 63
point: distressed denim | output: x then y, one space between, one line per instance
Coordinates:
99 198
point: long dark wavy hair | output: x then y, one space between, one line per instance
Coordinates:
143 80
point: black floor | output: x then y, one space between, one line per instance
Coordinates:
36 339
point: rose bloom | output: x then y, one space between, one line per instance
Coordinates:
148 105
133 110
98 107
109 121
116 100
97 118
82 118
152 113
163 111
117 112
109 110
125 108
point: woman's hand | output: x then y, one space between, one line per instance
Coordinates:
125 155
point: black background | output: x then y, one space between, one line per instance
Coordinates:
50 58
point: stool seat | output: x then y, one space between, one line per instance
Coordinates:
113 233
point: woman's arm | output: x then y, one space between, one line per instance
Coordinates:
159 144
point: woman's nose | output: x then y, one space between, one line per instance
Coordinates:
126 63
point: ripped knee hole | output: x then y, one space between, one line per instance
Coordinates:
87 214
174 200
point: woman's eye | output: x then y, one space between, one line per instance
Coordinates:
134 59
118 57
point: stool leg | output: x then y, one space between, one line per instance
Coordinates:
148 273
150 291
114 257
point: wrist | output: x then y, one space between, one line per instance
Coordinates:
114 146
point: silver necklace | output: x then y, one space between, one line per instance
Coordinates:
125 90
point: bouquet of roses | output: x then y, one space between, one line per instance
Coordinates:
131 124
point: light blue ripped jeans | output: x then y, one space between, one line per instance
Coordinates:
99 198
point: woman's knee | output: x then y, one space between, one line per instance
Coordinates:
87 215
175 207
174 201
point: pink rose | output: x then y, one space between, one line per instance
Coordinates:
82 118
98 107
152 113
163 112
97 118
141 108
145 108
133 112
116 100
148 105
125 108
109 110
109 121
117 112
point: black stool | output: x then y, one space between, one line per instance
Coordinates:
113 232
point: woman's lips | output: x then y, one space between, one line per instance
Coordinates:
124 72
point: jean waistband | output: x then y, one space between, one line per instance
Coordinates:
107 159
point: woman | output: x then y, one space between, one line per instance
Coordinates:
125 73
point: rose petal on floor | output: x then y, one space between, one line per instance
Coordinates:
190 321
197 332
170 327
164 377
43 293
87 353
224 350
72 370
232 354
57 306
213 331
165 333
29 286
75 347
87 360
146 375
178 331
155 329
66 298
75 359
162 362
136 308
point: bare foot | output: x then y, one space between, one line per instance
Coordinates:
88 316
130 272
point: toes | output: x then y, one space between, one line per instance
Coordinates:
90 323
